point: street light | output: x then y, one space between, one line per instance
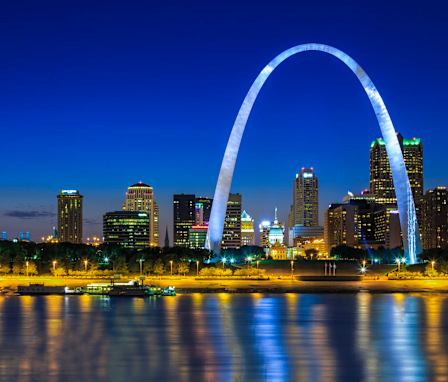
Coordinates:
141 266
27 264
258 261
232 261
85 263
363 263
197 268
432 263
398 261
171 264
223 262
249 259
54 267
292 268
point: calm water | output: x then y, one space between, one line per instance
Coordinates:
225 337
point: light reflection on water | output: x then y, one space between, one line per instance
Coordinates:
225 337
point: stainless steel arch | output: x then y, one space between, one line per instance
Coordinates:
405 201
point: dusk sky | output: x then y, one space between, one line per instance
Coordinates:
98 95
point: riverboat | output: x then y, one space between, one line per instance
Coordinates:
130 291
41 289
169 291
105 288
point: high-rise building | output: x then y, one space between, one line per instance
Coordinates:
197 236
381 182
231 237
140 197
361 223
305 205
264 232
203 210
435 219
247 229
184 217
130 229
70 216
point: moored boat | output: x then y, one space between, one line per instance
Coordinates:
41 289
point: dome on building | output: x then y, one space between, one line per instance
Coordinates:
140 184
275 234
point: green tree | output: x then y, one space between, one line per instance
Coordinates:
159 268
5 263
31 269
148 267
183 268
120 265
17 265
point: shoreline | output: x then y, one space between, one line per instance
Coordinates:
190 285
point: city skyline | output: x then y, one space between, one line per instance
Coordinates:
58 82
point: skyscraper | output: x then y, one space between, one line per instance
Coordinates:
435 218
140 197
184 217
130 229
247 229
305 207
70 216
381 182
231 237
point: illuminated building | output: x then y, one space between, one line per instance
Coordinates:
140 197
247 229
3 236
297 234
70 216
197 236
435 218
278 251
203 210
276 234
381 182
184 217
264 232
305 203
231 237
405 201
130 229
361 223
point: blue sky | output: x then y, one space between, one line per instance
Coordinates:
97 95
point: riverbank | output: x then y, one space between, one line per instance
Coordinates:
190 285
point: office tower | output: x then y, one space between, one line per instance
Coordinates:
231 237
381 183
264 232
3 236
184 217
305 207
361 223
197 235
70 216
247 229
130 229
140 197
202 210
435 219
24 236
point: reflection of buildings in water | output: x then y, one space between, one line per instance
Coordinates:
364 342
433 338
403 354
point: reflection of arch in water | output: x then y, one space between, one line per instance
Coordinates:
405 200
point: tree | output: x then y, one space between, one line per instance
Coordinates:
17 265
159 268
120 265
29 270
311 253
183 268
148 267
5 263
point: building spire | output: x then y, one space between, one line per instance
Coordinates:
275 217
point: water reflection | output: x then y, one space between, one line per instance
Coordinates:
225 337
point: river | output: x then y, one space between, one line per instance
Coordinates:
225 337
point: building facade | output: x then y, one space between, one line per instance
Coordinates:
381 182
184 217
130 229
197 236
305 207
231 237
70 216
435 219
140 198
247 229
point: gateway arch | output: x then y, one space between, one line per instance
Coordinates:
405 200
